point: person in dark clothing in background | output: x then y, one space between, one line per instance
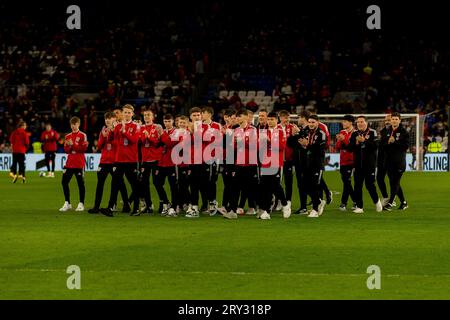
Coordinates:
364 145
299 158
314 144
381 161
396 143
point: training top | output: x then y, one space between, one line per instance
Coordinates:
75 152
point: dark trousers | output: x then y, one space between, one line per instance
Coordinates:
18 160
246 186
171 173
381 174
288 178
228 177
367 176
183 186
67 176
243 196
313 185
323 188
346 177
50 157
131 172
211 175
302 179
118 181
102 174
395 176
198 183
271 185
148 169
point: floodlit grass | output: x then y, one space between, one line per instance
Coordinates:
153 257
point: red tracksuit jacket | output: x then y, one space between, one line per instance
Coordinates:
346 157
75 158
213 131
151 147
198 135
127 142
19 140
289 152
276 145
108 148
184 140
49 139
166 158
247 149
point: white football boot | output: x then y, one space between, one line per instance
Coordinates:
313 214
80 207
358 210
264 216
287 210
230 215
66 207
379 206
321 207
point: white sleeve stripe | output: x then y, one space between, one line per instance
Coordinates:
324 136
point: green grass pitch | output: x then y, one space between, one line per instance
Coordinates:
153 257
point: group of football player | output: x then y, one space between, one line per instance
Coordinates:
254 160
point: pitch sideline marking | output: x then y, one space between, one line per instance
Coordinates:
232 273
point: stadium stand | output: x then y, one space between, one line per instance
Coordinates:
278 62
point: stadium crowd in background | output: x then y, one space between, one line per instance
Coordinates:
48 74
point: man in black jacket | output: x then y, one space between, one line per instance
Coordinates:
396 143
299 158
314 145
364 145
381 163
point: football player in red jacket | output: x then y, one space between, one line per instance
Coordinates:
75 146
272 144
196 169
106 167
19 142
213 137
167 168
246 146
126 137
288 165
346 159
49 139
183 136
151 151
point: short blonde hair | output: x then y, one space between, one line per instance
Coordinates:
128 106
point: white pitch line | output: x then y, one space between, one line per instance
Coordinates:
232 273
